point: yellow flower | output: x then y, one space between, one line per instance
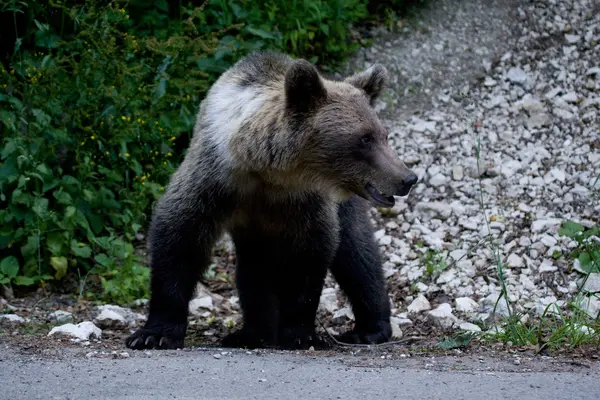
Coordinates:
156 153
127 154
162 189
107 153
165 163
128 119
124 118
92 137
172 138
91 163
155 122
169 154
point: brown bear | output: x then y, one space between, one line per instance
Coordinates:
287 162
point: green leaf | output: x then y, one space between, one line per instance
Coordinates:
570 229
54 242
63 197
29 250
81 250
4 280
70 211
10 266
19 197
260 32
24 281
102 259
8 149
40 206
60 265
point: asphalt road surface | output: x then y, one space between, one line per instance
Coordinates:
239 375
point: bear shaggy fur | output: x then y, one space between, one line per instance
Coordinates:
287 162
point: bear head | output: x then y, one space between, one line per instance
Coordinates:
345 142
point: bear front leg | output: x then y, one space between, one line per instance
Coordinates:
182 234
303 267
254 283
358 270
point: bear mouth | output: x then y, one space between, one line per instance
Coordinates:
379 198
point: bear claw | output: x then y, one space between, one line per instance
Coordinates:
149 339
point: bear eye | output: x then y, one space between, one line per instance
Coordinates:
366 140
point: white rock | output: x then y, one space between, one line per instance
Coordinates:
558 174
83 331
396 330
592 284
60 316
591 305
458 254
515 261
570 97
524 241
458 173
562 113
386 240
14 318
343 314
552 93
419 304
438 180
438 208
329 300
128 317
200 305
517 75
544 224
467 326
423 126
548 240
110 319
443 315
466 305
538 120
572 38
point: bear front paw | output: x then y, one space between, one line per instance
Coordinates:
302 339
380 334
155 338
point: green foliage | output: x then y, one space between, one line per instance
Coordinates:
458 340
97 102
435 263
588 250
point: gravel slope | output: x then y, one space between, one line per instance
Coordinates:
523 78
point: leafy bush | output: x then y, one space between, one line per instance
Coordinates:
88 127
97 102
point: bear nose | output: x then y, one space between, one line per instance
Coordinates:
410 180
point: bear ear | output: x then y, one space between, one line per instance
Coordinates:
371 81
303 86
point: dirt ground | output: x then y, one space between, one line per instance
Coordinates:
419 344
